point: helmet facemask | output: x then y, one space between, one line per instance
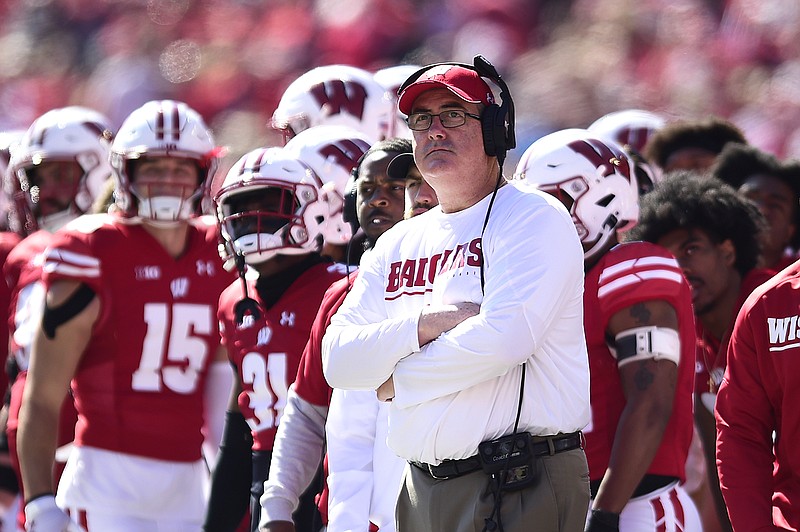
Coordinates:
165 201
51 189
268 220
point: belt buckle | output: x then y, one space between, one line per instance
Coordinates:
433 475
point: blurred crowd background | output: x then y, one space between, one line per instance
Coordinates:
567 62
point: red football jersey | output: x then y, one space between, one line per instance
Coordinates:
266 351
7 243
756 410
710 349
628 274
139 385
310 383
23 272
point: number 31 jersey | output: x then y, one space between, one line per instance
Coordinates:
266 351
139 385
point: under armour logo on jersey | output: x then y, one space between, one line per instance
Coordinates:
179 287
205 267
287 319
264 336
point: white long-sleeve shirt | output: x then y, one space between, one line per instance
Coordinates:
300 436
364 475
463 388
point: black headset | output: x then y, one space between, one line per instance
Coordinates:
497 121
349 209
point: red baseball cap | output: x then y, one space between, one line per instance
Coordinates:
463 82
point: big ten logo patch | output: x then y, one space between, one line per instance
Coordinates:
205 268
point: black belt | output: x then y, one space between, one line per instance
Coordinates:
542 445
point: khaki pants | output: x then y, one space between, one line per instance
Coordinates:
556 502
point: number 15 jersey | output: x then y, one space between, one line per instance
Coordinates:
139 385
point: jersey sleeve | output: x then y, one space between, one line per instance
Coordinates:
71 257
295 458
636 272
310 383
745 421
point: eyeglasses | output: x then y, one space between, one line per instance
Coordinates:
449 119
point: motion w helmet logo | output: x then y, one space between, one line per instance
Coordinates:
337 96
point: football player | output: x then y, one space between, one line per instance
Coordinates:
337 95
639 333
271 218
9 485
55 171
364 475
714 233
130 319
377 204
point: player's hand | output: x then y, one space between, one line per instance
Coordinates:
601 521
386 390
277 526
42 515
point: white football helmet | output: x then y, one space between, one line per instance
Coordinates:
391 78
631 127
591 176
267 205
164 128
10 220
339 95
331 152
70 135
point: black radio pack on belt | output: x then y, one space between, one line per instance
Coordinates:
512 456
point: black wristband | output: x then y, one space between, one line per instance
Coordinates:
39 496
229 496
603 521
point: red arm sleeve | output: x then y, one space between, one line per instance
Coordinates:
745 421
310 383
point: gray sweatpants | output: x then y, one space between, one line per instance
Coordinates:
556 502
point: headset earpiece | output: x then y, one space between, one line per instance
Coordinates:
349 209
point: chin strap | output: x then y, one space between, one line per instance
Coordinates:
246 305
